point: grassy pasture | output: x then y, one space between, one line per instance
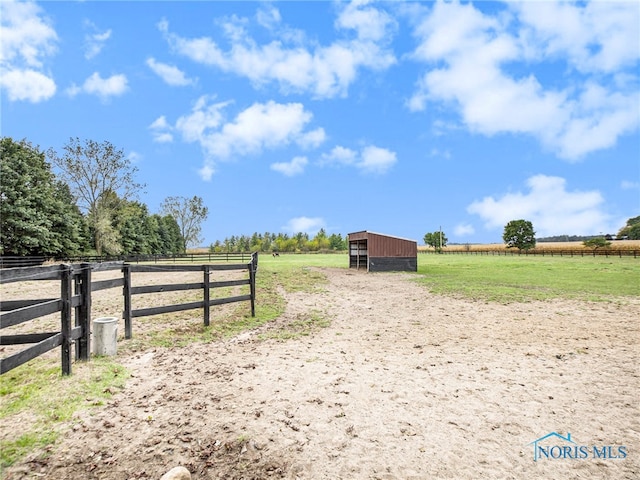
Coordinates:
521 279
499 278
576 247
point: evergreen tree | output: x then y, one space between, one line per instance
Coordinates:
37 215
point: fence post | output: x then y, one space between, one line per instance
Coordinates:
83 314
206 296
77 290
65 317
126 290
253 265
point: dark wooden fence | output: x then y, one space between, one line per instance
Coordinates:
76 288
201 258
15 312
549 253
206 285
13 261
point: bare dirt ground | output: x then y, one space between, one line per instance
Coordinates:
403 384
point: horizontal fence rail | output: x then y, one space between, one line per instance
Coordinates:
206 285
75 299
205 257
13 261
177 258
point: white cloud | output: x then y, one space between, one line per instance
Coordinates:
594 37
171 74
261 126
312 139
104 88
468 52
268 16
204 116
376 160
29 85
463 230
305 225
161 130
628 185
27 37
94 42
206 172
370 159
292 168
325 71
549 206
369 23
339 156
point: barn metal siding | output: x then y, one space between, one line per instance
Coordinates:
377 252
384 246
358 236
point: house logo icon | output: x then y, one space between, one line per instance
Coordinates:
554 446
537 448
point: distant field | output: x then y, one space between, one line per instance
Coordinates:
477 247
499 278
540 246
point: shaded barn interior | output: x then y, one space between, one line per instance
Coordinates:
376 252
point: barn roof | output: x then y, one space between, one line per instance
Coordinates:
382 235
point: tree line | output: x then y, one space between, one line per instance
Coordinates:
521 235
281 242
89 206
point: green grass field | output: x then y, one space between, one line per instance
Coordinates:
521 279
499 278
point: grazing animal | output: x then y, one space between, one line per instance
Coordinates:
276 254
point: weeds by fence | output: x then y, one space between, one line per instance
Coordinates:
76 289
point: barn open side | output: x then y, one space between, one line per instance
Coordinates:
376 252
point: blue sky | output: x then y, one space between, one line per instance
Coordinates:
393 117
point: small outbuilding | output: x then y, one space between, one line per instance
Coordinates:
376 252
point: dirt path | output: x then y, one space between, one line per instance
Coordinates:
402 385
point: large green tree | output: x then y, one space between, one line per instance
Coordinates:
189 213
93 171
631 230
519 234
37 212
437 240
